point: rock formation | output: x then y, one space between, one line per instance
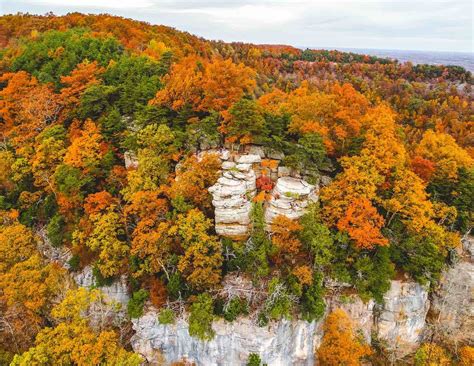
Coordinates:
399 325
289 198
452 307
361 313
231 197
131 160
116 292
402 317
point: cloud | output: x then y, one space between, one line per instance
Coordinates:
244 17
104 4
396 24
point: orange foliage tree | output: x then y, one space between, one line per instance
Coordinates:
193 178
363 223
84 75
205 85
339 345
26 108
85 150
150 240
285 237
336 114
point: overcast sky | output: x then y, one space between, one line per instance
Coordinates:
440 25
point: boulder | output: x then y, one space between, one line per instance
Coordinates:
256 150
228 165
131 160
283 171
248 159
273 154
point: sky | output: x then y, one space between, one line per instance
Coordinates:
436 25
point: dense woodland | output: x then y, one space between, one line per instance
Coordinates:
78 91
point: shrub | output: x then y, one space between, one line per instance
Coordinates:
235 307
136 303
431 354
339 345
201 317
312 303
279 302
56 230
254 360
100 280
260 243
166 316
74 263
420 257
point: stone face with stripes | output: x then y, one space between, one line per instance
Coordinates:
289 198
232 196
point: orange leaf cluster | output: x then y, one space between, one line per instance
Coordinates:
339 345
363 223
205 85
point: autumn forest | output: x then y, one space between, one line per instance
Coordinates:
112 133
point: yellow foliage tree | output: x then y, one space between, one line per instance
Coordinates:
448 156
193 178
105 240
205 85
73 341
202 259
430 354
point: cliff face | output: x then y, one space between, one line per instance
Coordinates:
400 326
452 309
402 317
282 343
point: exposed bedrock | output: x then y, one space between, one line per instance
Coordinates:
400 324
402 318
289 198
283 343
452 309
116 292
232 195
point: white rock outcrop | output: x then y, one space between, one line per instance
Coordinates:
116 292
231 198
282 343
289 198
131 160
468 246
452 307
248 159
402 318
